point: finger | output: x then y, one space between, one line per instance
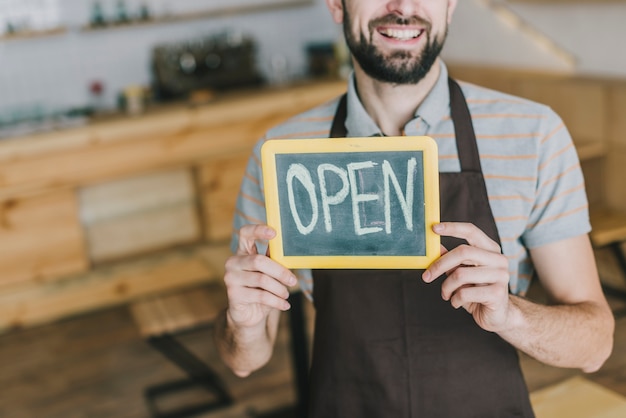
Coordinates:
472 276
464 255
269 284
249 234
262 264
489 296
247 296
469 232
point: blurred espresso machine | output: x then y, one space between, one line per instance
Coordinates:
215 63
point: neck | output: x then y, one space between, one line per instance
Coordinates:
392 106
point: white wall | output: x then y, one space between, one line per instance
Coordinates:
480 37
55 72
595 32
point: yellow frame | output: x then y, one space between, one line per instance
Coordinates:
346 145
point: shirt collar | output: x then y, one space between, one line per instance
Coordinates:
435 107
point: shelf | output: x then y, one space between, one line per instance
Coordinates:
33 34
206 14
590 149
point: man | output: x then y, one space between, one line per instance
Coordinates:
396 343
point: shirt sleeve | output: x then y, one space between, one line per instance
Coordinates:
560 210
250 209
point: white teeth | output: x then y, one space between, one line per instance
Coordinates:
401 34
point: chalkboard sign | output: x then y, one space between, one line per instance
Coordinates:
352 202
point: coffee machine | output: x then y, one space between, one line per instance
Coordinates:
217 62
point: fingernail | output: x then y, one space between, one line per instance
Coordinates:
426 276
286 306
437 227
293 281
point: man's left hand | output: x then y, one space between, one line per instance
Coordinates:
477 275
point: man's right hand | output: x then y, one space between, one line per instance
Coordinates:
255 283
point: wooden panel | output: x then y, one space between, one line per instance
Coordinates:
594 171
38 304
615 175
40 238
139 214
500 79
616 159
176 312
143 232
617 112
219 186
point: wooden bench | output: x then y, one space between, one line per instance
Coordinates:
577 397
159 319
608 236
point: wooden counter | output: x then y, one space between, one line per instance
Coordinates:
102 214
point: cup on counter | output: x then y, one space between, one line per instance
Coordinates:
134 100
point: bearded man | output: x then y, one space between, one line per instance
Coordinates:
440 342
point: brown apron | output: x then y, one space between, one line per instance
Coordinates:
387 345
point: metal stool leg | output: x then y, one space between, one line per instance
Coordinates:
199 375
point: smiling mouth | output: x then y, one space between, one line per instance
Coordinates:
401 34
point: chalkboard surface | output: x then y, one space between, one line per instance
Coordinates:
352 202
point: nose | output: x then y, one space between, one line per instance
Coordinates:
402 7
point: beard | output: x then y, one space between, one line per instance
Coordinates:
398 67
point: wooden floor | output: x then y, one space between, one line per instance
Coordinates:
97 366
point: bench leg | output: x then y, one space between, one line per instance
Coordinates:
616 249
200 374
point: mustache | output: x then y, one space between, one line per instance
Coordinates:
393 19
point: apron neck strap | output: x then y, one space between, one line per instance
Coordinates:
463 127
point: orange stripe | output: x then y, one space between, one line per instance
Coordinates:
507 115
448 157
508 157
560 195
492 157
558 153
559 216
511 178
517 255
248 218
256 160
510 218
552 180
480 101
487 137
502 116
512 197
508 136
253 179
253 200
551 134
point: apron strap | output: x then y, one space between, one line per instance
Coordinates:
464 130
338 128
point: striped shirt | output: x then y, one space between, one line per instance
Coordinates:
532 172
